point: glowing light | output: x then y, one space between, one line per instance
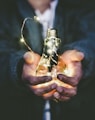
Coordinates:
68 72
22 40
36 18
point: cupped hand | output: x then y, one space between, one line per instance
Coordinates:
37 84
69 70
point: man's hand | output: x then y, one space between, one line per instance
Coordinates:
37 84
70 62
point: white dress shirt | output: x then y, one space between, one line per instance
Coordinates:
47 18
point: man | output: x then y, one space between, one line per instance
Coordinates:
21 95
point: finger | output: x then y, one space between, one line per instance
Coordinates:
56 95
69 80
31 57
73 81
64 98
59 97
42 90
68 92
77 56
61 83
28 57
72 55
49 95
33 80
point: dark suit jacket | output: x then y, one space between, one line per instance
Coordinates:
75 24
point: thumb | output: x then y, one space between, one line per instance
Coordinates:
29 57
72 55
77 56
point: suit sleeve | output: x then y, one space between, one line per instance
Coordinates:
11 58
85 43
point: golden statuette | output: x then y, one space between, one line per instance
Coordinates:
49 56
